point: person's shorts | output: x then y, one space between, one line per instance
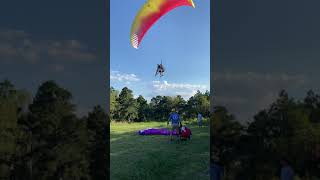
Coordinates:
175 126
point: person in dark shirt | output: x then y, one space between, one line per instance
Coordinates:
287 172
160 70
216 170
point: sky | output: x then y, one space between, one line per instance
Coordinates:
262 47
180 39
57 40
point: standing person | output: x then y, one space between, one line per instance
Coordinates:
216 172
287 172
174 118
199 119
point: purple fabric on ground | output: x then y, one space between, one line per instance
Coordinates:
156 131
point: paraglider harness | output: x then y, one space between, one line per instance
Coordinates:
160 70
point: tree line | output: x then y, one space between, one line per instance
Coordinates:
42 138
289 128
124 107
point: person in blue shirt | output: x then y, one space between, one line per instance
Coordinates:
174 118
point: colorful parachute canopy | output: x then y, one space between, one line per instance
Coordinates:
156 131
151 11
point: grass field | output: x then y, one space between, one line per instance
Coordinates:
136 157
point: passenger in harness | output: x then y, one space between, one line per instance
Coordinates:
160 70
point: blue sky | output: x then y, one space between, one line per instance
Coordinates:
181 39
257 53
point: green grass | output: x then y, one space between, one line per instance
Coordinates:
136 157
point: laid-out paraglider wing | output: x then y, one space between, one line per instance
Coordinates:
151 11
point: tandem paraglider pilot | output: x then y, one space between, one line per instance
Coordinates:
174 118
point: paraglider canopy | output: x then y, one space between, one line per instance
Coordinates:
151 11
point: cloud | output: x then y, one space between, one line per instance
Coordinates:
252 76
162 86
245 93
57 67
20 46
123 77
172 89
232 100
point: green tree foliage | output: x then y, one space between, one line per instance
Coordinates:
199 103
127 105
98 147
155 107
164 107
142 109
113 102
180 104
226 132
44 139
123 106
12 106
56 147
288 128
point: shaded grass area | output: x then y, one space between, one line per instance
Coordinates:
155 157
